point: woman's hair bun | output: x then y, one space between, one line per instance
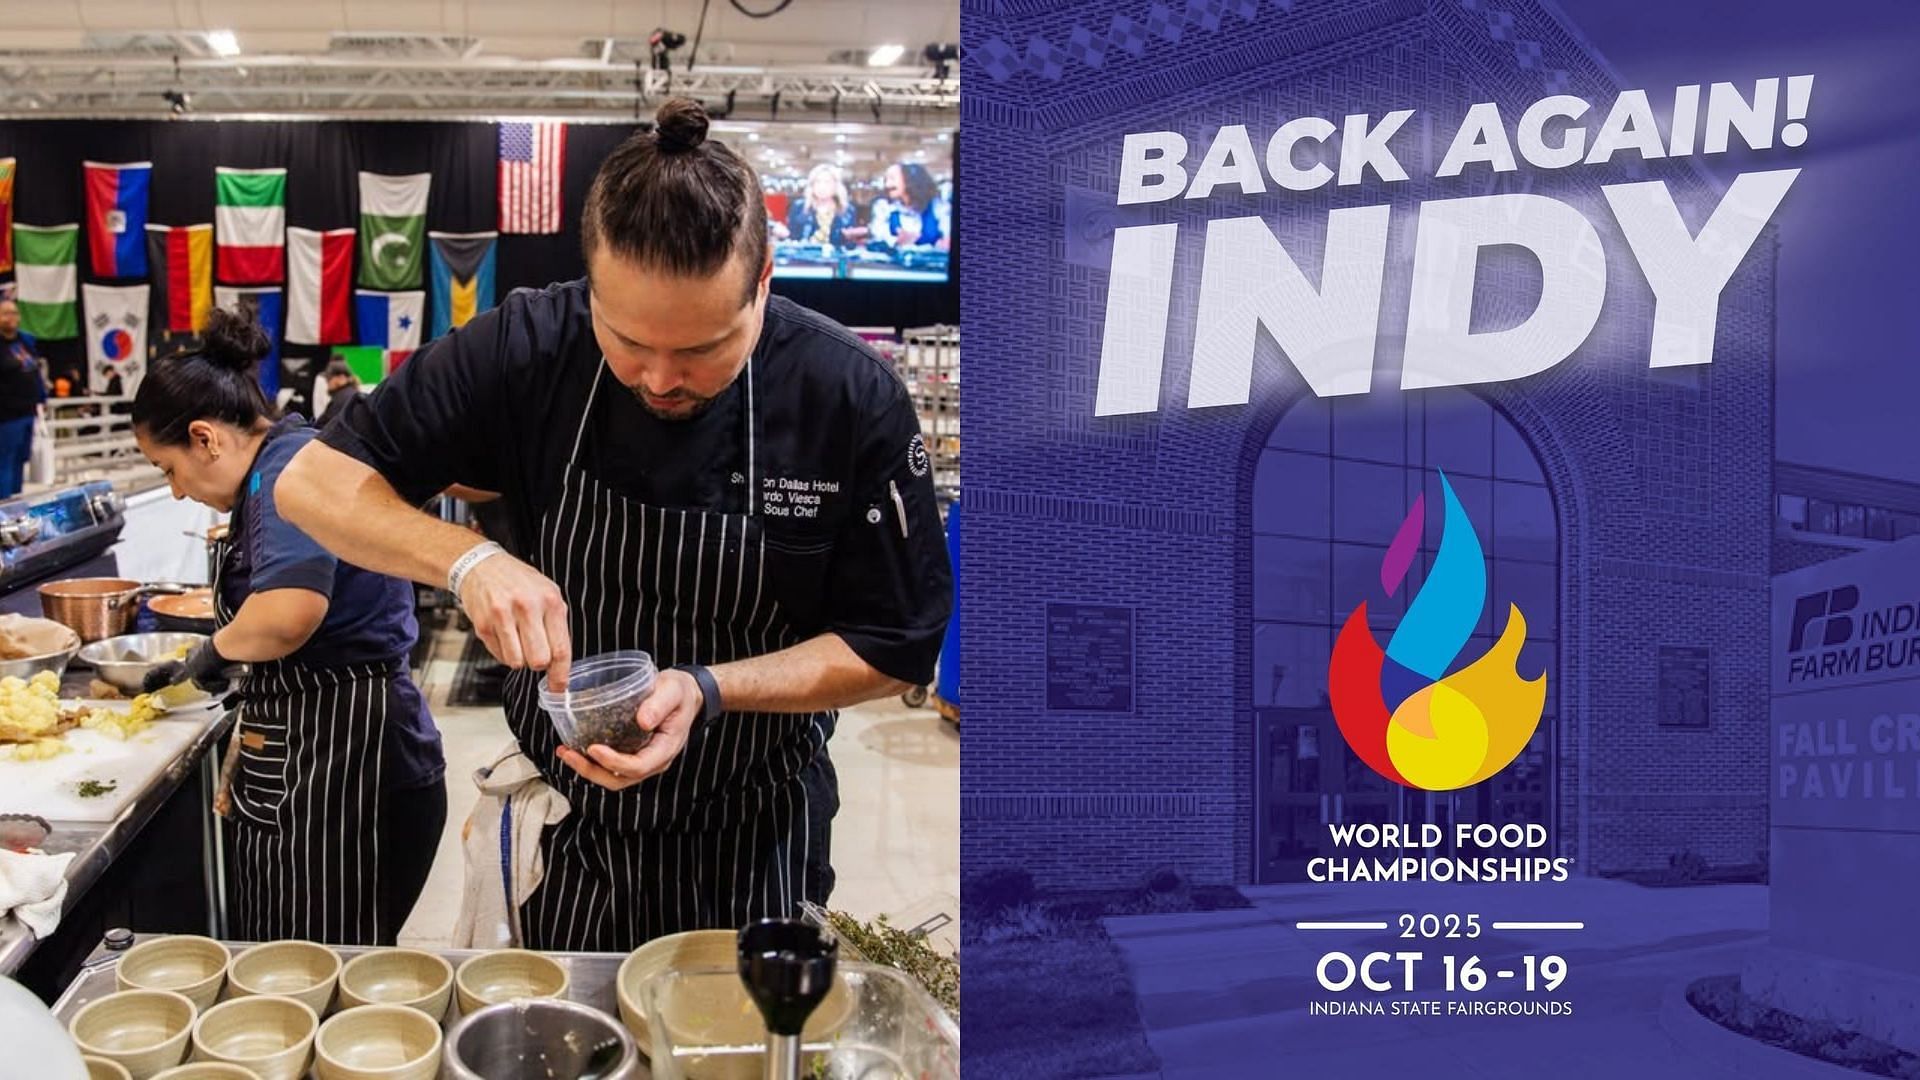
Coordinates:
233 340
680 125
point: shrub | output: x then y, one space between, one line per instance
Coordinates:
995 891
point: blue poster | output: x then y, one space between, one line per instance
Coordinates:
1440 580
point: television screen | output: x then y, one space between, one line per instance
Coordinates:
855 202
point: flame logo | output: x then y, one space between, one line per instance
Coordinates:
1407 711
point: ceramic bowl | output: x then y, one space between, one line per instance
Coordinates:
418 980
300 970
207 1070
102 1069
507 975
142 1031
270 1036
709 949
379 1042
194 967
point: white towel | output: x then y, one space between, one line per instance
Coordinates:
33 888
515 799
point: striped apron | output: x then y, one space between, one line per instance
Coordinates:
306 795
737 827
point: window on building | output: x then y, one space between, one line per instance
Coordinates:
1852 520
1793 510
1905 525
1820 516
1879 523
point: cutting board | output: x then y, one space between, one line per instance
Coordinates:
50 788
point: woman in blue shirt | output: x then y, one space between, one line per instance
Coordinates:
339 797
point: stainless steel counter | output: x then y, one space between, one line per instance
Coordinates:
97 845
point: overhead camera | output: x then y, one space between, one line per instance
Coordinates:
942 57
178 101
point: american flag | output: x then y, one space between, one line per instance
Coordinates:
531 157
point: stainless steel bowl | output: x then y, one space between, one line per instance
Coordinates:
557 1038
29 666
123 662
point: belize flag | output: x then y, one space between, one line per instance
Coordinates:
391 321
264 306
117 218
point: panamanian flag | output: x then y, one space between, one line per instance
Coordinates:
391 321
117 218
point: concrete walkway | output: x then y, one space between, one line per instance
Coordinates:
1226 994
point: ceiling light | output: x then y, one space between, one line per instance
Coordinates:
223 43
886 55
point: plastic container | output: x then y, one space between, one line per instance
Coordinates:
603 694
703 1026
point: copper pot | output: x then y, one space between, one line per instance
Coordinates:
97 608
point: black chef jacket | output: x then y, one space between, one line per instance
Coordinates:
854 542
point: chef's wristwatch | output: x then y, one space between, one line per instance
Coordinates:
709 690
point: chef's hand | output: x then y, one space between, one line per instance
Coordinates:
669 712
204 666
520 616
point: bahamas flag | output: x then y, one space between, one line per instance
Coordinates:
117 218
462 277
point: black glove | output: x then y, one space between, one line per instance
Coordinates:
204 667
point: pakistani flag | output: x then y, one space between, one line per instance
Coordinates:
393 230
47 278
116 337
462 277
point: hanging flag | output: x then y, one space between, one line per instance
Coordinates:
45 269
319 286
263 307
531 160
6 214
117 218
367 362
462 277
182 258
250 219
116 337
390 320
393 229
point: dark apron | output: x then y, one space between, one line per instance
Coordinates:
306 796
737 827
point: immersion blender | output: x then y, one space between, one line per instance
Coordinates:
787 966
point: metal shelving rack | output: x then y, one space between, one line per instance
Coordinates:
928 362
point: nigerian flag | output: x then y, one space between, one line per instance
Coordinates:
47 279
393 230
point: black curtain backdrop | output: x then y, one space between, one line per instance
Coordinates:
323 158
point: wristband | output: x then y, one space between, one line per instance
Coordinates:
709 690
464 565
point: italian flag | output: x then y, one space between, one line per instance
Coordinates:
47 279
319 286
249 221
